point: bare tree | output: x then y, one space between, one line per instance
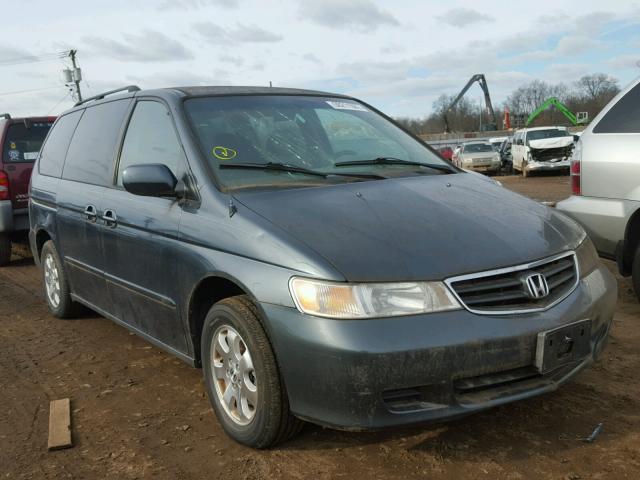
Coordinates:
598 86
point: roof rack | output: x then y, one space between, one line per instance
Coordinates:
5 115
128 88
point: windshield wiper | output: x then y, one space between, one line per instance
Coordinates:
281 167
285 167
393 161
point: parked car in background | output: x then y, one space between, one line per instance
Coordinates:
496 142
20 141
605 182
319 262
478 156
506 160
541 148
446 152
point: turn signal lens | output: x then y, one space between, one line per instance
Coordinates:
369 300
587 257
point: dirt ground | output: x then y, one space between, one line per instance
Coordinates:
140 413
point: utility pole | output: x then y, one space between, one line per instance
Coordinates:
77 75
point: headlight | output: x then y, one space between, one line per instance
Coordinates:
587 257
369 300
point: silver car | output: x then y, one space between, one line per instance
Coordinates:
605 180
477 156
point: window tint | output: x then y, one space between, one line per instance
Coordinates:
624 116
151 138
55 149
92 149
23 141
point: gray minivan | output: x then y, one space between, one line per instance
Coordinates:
316 260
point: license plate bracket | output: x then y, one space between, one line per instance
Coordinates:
563 345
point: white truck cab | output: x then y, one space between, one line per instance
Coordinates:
541 148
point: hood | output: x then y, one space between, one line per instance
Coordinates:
556 142
416 228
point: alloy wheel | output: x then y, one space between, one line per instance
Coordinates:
52 281
234 375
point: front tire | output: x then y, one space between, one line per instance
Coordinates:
242 377
5 249
56 285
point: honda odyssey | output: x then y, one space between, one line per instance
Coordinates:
316 260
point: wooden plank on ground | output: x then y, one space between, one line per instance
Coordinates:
60 424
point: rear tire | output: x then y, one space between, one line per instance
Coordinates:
56 286
242 377
635 273
5 249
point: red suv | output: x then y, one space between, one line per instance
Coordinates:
20 142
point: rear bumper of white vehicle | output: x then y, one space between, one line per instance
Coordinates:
604 219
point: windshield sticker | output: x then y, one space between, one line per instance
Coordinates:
14 155
340 105
224 153
30 155
12 145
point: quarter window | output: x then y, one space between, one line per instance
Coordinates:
151 138
55 148
624 116
92 150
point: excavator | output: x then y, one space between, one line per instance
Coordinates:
580 118
482 81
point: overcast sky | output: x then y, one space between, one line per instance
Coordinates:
397 55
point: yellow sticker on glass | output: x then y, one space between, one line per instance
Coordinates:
224 153
12 146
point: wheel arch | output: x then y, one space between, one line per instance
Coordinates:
42 236
631 243
209 290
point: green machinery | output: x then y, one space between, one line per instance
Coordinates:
578 119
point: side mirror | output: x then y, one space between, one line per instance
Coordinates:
519 142
149 180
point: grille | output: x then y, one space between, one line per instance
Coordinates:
504 291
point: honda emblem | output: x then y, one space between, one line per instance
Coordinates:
536 286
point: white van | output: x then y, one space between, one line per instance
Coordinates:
541 148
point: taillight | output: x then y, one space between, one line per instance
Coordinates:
576 160
575 177
4 186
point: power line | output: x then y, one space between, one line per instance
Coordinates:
31 90
59 102
48 57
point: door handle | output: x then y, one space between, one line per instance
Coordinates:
110 218
91 213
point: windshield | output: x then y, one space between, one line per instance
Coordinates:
549 133
22 142
478 147
313 133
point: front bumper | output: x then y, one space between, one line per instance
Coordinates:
534 166
367 374
489 167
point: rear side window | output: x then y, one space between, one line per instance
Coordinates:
624 116
23 141
55 148
92 150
